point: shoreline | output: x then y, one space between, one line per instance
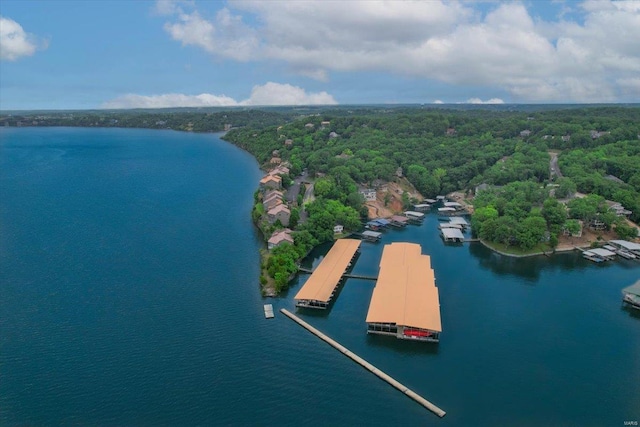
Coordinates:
547 254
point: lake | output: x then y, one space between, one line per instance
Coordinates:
129 296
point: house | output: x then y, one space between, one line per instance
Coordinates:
369 194
275 160
325 123
272 201
338 229
279 170
279 237
271 181
280 212
271 193
309 126
566 138
450 132
525 133
614 179
333 135
619 209
597 134
288 142
482 187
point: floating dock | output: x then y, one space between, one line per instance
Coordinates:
368 366
268 311
405 303
371 236
631 295
321 287
452 235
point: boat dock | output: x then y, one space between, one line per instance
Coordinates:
368 366
598 255
321 287
452 235
371 236
631 295
268 311
405 303
398 221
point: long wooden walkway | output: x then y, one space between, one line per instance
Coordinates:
346 275
368 366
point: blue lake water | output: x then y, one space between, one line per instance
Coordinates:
128 296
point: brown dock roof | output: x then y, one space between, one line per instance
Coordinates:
405 293
326 276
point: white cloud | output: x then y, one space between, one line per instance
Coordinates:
480 101
267 94
169 7
15 42
437 101
226 36
170 100
452 42
285 94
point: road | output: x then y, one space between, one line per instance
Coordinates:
554 169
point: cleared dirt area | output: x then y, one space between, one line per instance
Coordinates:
392 193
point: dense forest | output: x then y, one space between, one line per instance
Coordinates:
438 150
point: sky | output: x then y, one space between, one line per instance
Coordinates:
167 53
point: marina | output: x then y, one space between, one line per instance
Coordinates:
321 286
184 325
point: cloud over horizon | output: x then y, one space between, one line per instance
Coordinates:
592 59
261 95
15 42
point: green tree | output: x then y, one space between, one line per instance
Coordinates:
531 231
555 213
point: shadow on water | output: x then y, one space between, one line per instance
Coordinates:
403 346
633 312
531 267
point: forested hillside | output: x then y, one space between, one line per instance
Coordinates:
442 151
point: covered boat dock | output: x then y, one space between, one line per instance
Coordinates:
371 236
458 220
452 235
422 207
398 221
405 302
377 224
446 211
631 295
321 286
599 255
626 247
414 216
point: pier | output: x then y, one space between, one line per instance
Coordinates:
345 276
368 366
